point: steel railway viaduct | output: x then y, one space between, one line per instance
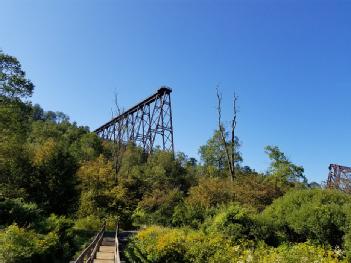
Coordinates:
148 124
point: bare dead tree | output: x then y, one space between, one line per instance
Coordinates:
235 99
228 147
118 110
118 144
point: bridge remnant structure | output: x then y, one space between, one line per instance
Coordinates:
339 178
148 124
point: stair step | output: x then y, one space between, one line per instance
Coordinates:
112 239
104 261
107 249
105 255
107 243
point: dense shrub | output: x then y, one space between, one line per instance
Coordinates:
191 216
157 207
22 245
157 244
256 190
298 253
202 201
64 230
211 192
91 222
317 215
235 222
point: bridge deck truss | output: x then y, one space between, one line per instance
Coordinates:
147 124
339 178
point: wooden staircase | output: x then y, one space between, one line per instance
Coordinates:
106 252
107 247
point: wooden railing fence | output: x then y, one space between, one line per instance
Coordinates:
88 254
117 258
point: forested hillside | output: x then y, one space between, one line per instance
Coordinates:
59 182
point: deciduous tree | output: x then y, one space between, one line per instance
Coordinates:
13 81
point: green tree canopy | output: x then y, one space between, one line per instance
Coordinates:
282 168
213 152
13 81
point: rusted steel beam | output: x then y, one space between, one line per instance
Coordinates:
148 124
339 177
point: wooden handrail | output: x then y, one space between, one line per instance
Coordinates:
89 252
95 250
117 257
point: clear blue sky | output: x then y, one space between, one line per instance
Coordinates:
289 61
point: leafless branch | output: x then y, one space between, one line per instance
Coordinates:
223 135
235 98
118 151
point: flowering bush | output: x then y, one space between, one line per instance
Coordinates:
158 244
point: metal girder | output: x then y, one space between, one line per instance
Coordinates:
148 124
339 178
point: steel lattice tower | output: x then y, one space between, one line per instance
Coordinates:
339 178
148 124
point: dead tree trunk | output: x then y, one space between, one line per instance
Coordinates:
235 98
118 144
228 147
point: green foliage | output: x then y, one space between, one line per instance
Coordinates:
162 170
63 229
161 245
191 216
211 193
38 157
142 182
22 245
18 211
14 162
157 244
103 194
13 82
90 223
299 253
235 222
255 190
281 169
96 174
40 153
317 215
213 154
53 167
157 207
202 200
87 147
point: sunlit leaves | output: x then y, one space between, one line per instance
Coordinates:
13 82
